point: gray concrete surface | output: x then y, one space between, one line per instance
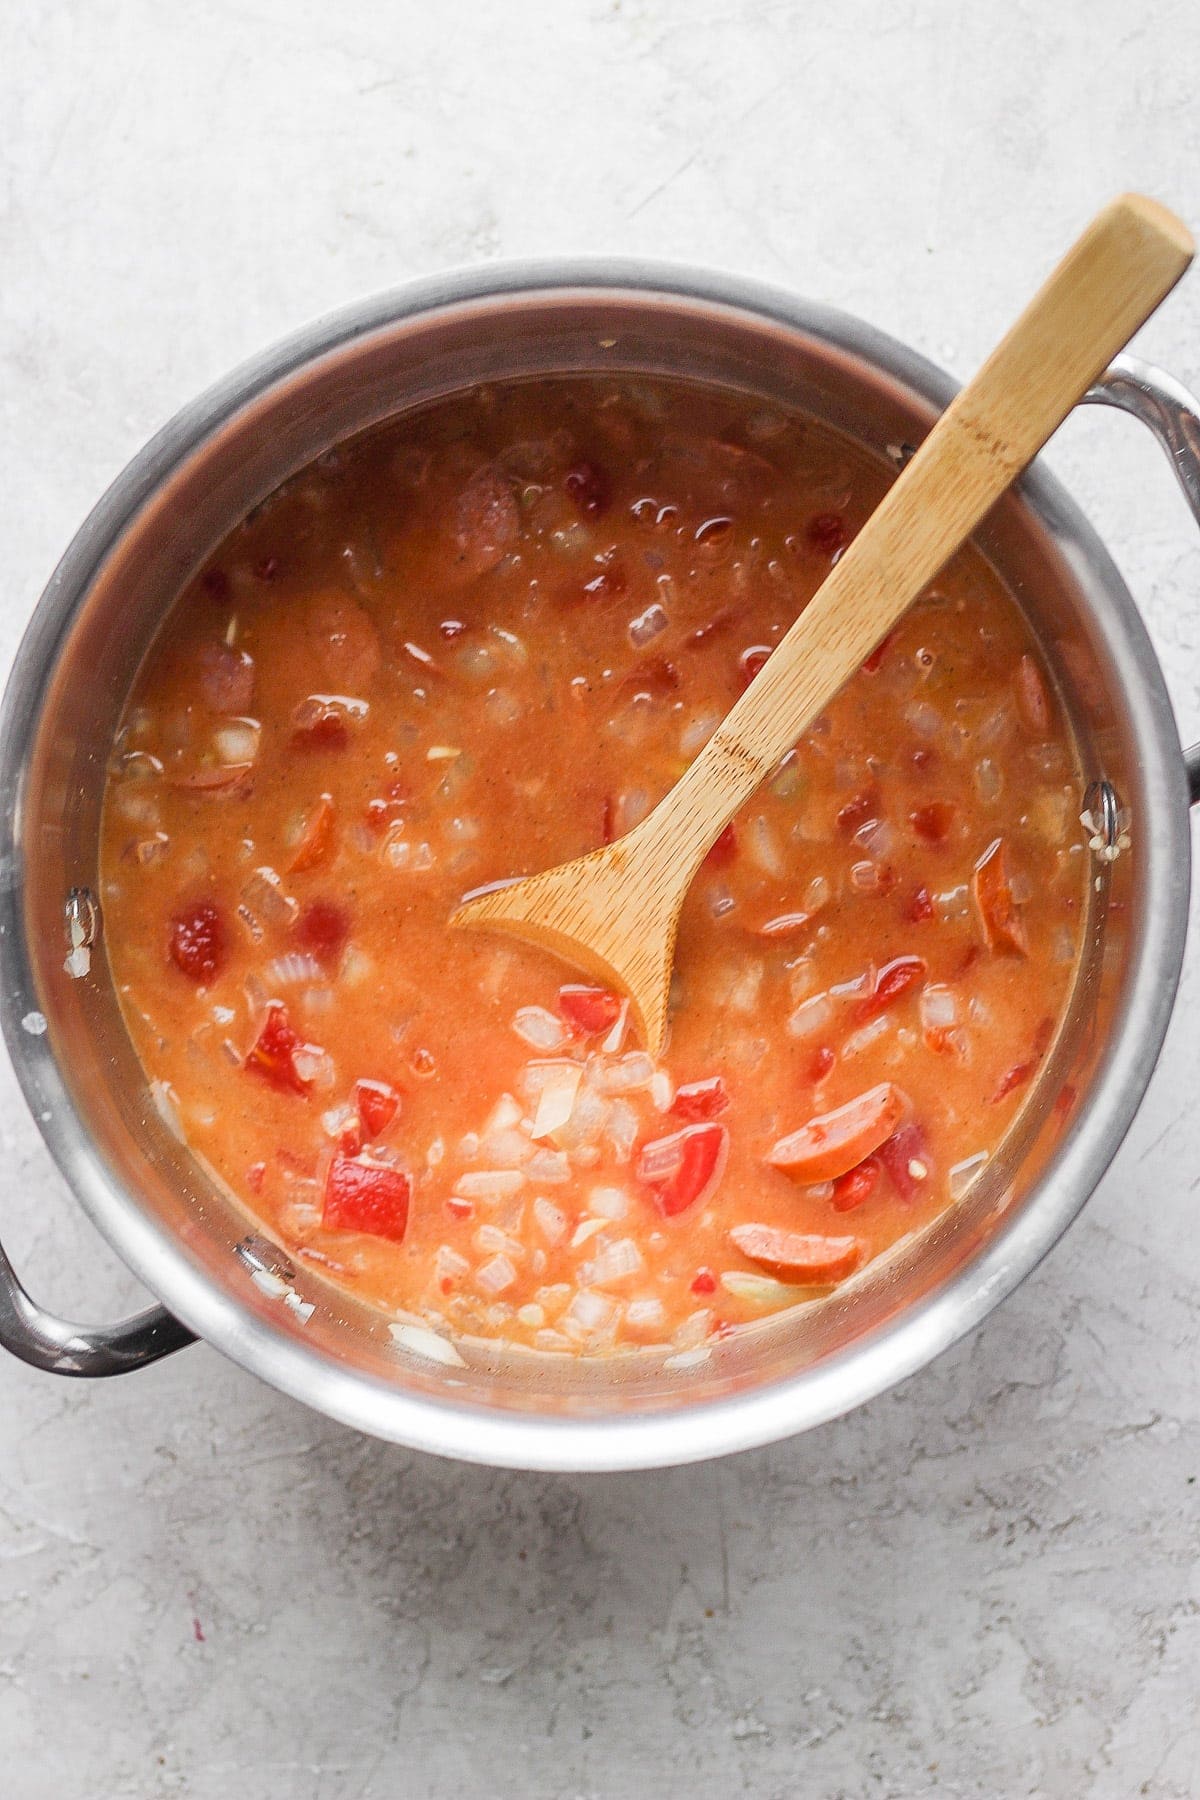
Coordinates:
985 1584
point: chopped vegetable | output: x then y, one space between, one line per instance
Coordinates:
895 978
685 1167
273 1056
197 941
364 1195
905 1156
856 1185
376 1103
226 678
697 1100
1002 925
795 1257
588 1010
316 839
834 1142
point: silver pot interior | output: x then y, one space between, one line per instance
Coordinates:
168 1215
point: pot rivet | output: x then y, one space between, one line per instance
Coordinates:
81 921
1104 821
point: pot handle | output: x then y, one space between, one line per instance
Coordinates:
1167 408
46 1342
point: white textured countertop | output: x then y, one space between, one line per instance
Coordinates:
984 1584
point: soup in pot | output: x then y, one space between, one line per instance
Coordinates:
482 640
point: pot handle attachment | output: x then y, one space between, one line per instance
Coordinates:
1166 407
53 1344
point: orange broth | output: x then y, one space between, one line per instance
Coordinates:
484 639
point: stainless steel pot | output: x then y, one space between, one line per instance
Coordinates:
206 1261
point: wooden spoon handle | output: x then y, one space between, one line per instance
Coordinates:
1109 282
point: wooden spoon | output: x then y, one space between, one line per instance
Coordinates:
614 913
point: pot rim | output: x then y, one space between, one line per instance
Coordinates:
700 1428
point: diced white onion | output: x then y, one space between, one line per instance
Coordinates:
687 1359
963 1173
506 1149
645 1313
763 846
489 1240
588 1312
556 1102
647 626
489 1184
866 1035
812 1016
502 706
420 1341
629 1072
448 1265
166 1100
954 903
550 1221
541 1029
614 1263
757 1290
743 996
587 1228
608 1202
662 1090
989 783
694 1330
237 741
938 1006
549 1167
531 1316
496 1275
622 1129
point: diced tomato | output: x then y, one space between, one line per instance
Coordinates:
856 1185
323 927
376 1103
458 1208
316 839
705 1282
836 1141
854 815
273 1056
795 1256
924 759
895 978
364 1195
1011 1080
752 661
589 488
827 533
588 1010
226 678
684 1167
1032 698
196 942
875 660
785 925
700 1099
723 851
905 1156
317 725
820 1063
932 823
1001 923
256 1174
919 905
